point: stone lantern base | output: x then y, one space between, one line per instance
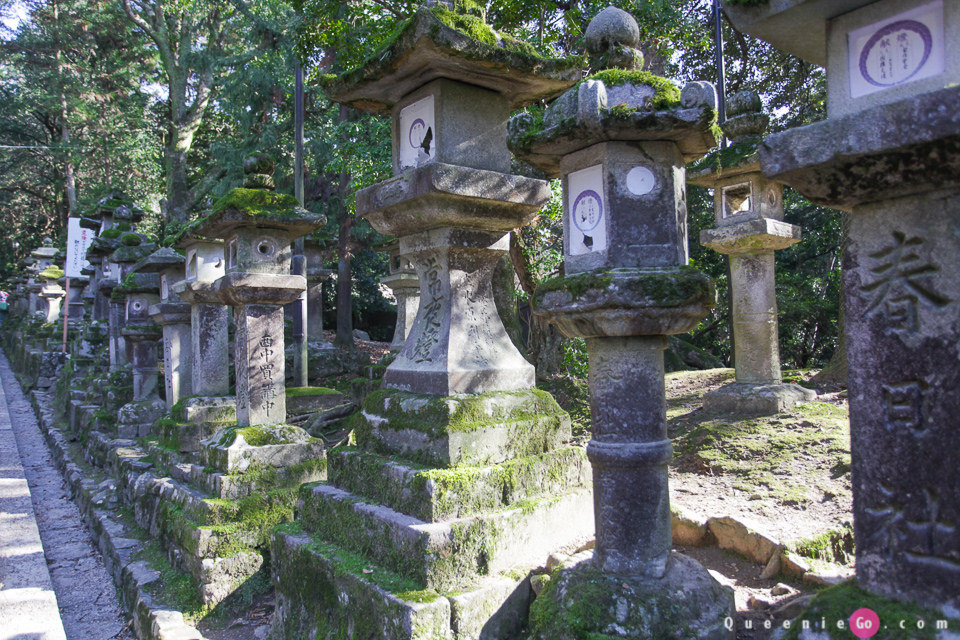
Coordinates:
581 601
430 530
756 399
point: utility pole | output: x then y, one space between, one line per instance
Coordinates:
299 265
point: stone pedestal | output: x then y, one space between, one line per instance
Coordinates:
626 288
750 227
74 308
889 155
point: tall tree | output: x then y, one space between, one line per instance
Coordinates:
199 43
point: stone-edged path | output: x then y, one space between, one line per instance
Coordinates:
88 603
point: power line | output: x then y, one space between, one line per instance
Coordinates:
61 148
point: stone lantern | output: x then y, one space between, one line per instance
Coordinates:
204 263
889 153
619 141
459 395
750 227
405 285
130 249
173 315
51 293
141 291
41 258
258 226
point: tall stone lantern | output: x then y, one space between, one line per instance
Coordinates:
140 291
258 227
619 141
889 153
750 227
459 400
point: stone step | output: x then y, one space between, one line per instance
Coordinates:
186 437
468 429
237 449
435 495
313 577
448 555
312 399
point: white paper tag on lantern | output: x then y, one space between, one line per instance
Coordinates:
418 134
587 211
903 48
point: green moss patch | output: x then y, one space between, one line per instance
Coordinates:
838 603
781 457
666 94
300 392
256 202
53 272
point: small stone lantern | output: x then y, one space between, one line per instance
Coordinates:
173 315
258 227
209 337
405 285
750 227
316 276
619 141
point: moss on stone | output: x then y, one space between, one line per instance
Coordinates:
737 154
111 234
666 95
837 603
131 240
53 272
258 203
576 285
835 546
300 392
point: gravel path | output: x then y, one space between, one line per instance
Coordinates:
89 603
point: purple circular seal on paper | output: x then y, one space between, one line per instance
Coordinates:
587 210
913 26
423 125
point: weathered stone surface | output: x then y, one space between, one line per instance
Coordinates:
427 49
236 449
760 234
581 601
446 195
466 429
746 540
435 495
259 364
626 302
310 581
756 399
458 343
310 399
902 310
448 555
889 151
498 609
687 530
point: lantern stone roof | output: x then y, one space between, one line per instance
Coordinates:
439 43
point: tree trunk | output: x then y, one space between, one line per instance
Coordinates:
544 344
835 373
344 338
